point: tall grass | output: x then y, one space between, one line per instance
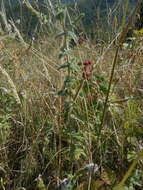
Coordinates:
70 108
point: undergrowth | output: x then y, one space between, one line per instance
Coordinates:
71 114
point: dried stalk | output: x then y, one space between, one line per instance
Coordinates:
4 72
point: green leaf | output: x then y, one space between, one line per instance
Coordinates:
98 77
103 88
60 34
60 15
78 153
72 35
74 67
138 32
63 66
64 53
64 92
77 118
78 19
69 81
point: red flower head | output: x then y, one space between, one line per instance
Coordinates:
87 70
87 63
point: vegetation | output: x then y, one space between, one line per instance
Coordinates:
71 114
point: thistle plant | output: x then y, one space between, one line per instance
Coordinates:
79 124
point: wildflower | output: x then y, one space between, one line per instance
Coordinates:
87 70
87 63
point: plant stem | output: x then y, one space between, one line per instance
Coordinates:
120 42
108 92
129 172
78 91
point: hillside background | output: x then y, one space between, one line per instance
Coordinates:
101 14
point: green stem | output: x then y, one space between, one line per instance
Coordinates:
120 42
129 172
78 91
109 88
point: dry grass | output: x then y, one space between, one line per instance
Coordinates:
57 136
